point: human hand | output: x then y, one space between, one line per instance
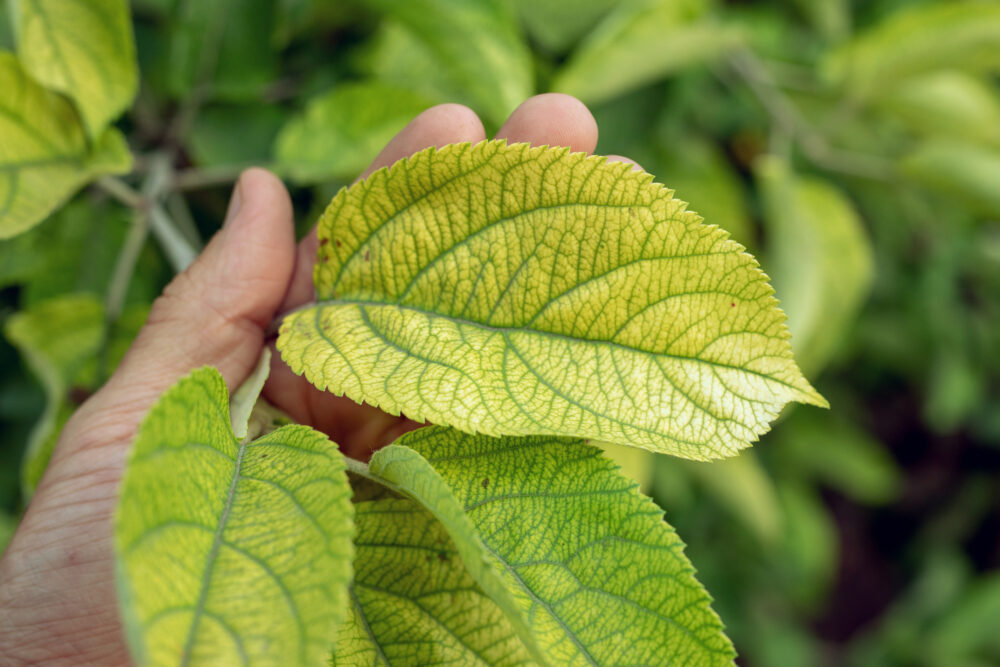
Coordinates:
57 597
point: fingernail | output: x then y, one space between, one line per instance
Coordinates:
234 201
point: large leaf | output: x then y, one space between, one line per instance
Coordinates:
44 155
230 551
819 256
413 602
516 290
476 44
60 340
963 35
641 43
83 48
596 574
342 131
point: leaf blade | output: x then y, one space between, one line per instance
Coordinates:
181 563
452 299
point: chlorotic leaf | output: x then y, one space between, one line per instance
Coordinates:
963 35
342 131
44 155
596 573
511 290
83 48
230 551
413 602
60 340
640 43
820 259
478 46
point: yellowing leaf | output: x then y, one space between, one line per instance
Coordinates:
83 48
44 155
640 43
230 551
820 259
516 290
342 131
596 574
964 35
413 601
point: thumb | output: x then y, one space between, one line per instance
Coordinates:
214 313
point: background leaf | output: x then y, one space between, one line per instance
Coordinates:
342 131
516 290
45 156
83 48
965 171
413 601
205 519
597 573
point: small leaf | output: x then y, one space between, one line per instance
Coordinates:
83 48
44 156
407 567
230 551
641 43
595 572
478 46
967 172
60 340
819 256
962 35
515 290
342 131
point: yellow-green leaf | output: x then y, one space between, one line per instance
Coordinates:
640 43
413 602
342 131
964 35
83 48
45 156
596 574
819 256
230 551
516 290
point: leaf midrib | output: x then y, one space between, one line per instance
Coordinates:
212 556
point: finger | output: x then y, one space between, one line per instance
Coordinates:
437 126
214 313
621 158
552 119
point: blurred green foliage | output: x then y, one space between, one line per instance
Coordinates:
853 146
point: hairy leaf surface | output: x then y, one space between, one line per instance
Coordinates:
595 572
83 48
515 290
413 602
44 155
342 131
229 551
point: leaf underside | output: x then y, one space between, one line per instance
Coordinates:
595 574
510 290
230 551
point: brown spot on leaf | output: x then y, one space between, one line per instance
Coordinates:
443 557
77 395
323 242
733 304
368 255
486 482
337 242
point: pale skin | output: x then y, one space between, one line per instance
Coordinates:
57 598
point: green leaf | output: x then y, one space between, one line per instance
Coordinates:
962 35
640 43
516 290
478 46
83 48
235 134
407 567
342 131
230 551
948 102
556 24
44 156
595 572
60 340
964 171
819 256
